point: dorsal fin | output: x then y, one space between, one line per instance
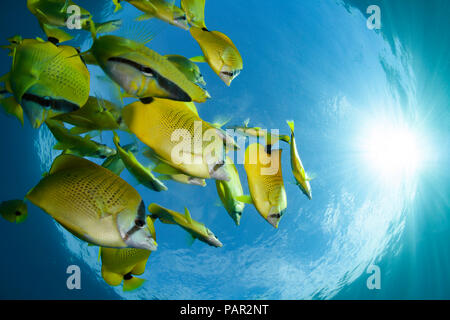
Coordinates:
187 215
68 161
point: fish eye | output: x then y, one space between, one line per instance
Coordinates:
139 223
17 213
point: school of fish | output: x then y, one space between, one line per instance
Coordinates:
50 83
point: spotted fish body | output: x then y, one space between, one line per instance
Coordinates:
228 192
167 127
93 203
265 182
142 72
219 52
44 76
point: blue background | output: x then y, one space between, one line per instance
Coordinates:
317 63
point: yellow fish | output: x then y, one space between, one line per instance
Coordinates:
14 211
142 174
121 265
94 204
219 52
196 229
228 192
298 171
265 182
170 173
95 115
260 132
195 12
178 136
75 144
114 163
142 72
55 14
164 10
44 76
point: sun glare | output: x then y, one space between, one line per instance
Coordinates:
392 151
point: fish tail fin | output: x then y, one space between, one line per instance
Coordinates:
132 284
139 268
111 278
11 107
107 27
285 138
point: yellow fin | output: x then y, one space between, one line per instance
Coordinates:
291 125
151 227
54 32
68 161
245 198
11 107
111 278
187 214
199 59
132 284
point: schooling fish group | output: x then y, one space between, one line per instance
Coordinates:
50 84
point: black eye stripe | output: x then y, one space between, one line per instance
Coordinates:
140 67
178 94
60 105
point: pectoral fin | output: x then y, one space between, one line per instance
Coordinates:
245 198
199 59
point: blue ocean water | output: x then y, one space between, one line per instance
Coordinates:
313 61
